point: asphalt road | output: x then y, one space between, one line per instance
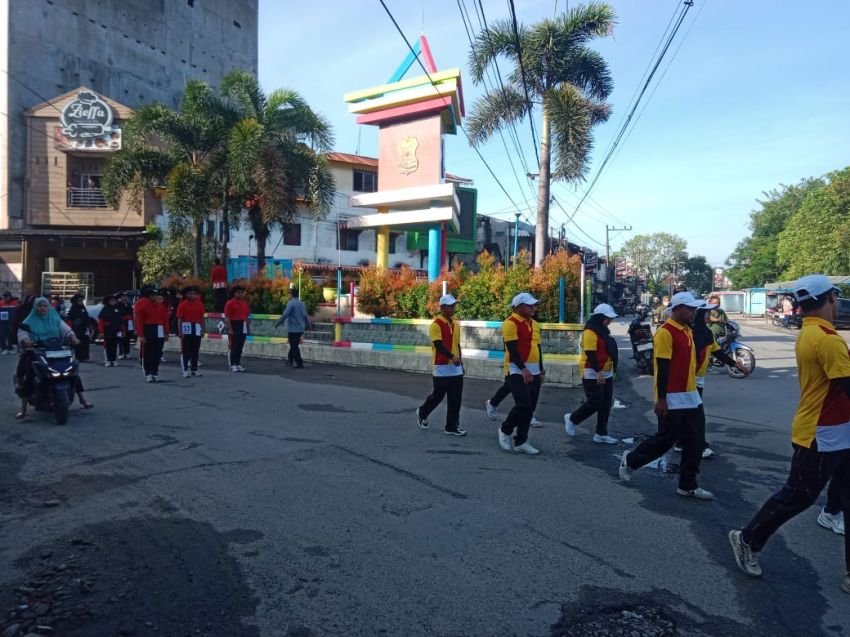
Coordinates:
307 503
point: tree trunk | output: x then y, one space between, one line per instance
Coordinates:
541 234
196 257
225 228
261 236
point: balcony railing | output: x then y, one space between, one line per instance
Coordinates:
86 198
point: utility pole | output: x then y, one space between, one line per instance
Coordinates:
609 277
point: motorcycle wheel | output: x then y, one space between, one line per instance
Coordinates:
61 405
747 359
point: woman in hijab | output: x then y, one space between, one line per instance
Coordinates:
78 317
42 324
599 357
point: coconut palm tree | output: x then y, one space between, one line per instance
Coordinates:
556 74
276 156
181 152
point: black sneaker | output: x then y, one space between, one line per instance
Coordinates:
455 432
423 422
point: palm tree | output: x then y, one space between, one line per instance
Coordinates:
276 156
555 69
181 151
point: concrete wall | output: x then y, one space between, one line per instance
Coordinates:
134 51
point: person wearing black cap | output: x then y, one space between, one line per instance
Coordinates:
151 319
236 313
127 329
190 326
111 323
78 317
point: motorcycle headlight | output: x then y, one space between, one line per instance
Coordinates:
55 374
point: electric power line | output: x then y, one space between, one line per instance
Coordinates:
524 82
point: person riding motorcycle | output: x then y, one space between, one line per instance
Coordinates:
717 319
42 324
658 314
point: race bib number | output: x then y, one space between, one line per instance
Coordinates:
160 331
187 329
198 329
4 316
129 326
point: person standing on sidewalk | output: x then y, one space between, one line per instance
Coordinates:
524 368
677 400
151 321
218 280
444 334
190 326
598 363
236 313
297 322
820 431
110 322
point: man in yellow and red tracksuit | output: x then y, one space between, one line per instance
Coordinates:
444 334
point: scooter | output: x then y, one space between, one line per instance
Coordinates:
55 371
640 334
735 350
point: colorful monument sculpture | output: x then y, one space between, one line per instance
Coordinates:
412 116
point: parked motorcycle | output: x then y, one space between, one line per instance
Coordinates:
735 350
55 369
640 334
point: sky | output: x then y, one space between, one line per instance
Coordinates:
757 95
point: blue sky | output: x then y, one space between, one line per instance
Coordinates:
758 95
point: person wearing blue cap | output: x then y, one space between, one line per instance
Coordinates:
820 431
444 334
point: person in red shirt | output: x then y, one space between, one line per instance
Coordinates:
152 326
218 278
190 327
236 313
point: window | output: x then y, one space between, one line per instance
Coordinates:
292 234
393 238
349 240
210 228
365 181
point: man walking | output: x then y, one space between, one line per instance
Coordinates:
444 334
524 368
820 432
190 326
111 324
297 321
677 400
128 327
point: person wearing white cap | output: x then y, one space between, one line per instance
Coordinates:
677 400
524 368
820 431
598 363
448 369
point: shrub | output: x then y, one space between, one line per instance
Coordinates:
377 292
480 294
311 294
545 285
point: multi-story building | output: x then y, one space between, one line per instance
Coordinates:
70 73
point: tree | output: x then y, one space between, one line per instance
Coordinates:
182 151
699 275
275 156
553 66
659 256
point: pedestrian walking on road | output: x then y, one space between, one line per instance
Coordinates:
444 335
110 322
296 320
190 324
677 400
820 432
78 318
128 328
236 313
599 355
151 319
524 368
491 405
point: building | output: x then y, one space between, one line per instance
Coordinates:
99 59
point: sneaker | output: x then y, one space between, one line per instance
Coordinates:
625 470
149 378
846 585
492 412
833 522
505 441
114 364
196 373
569 427
163 360
677 448
239 368
107 364
747 559
708 452
156 379
455 432
608 440
186 374
423 422
526 448
536 423
234 368
699 493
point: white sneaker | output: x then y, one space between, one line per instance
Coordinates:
608 440
569 427
239 368
526 448
163 360
505 441
196 374
492 412
699 493
186 374
746 558
708 452
107 364
625 471
536 423
833 522
234 368
149 378
677 449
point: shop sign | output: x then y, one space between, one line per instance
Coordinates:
87 124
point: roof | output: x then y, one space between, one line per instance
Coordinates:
460 180
352 160
70 233
332 267
782 285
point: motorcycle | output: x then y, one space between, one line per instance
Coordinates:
640 335
735 350
55 369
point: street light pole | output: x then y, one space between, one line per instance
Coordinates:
516 235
